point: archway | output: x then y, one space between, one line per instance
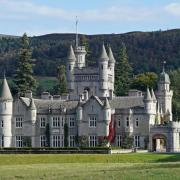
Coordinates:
159 143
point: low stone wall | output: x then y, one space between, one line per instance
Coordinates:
54 151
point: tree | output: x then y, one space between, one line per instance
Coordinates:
61 87
85 42
24 79
175 84
123 71
144 80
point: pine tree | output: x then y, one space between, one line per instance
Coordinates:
123 71
61 88
24 79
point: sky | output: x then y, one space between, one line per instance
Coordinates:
39 17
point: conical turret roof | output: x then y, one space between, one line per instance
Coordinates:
153 95
111 56
148 95
5 93
32 105
71 56
106 104
103 56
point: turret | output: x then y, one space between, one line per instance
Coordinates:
80 53
71 60
6 113
32 111
154 100
111 67
79 112
148 102
103 73
165 94
107 115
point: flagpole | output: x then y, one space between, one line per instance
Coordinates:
76 32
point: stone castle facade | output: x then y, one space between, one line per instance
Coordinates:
91 115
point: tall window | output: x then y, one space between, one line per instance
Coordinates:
19 121
62 122
119 122
92 141
2 123
57 141
127 122
136 141
56 122
119 140
71 140
71 122
19 142
137 122
92 121
43 122
43 141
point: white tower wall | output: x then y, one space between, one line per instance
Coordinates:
6 109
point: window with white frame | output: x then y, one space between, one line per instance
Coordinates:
2 141
71 122
57 141
127 122
92 141
42 122
136 141
71 141
19 121
19 141
2 123
119 140
42 141
137 122
56 121
92 121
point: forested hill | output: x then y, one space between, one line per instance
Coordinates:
146 50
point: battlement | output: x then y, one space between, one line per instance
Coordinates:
80 49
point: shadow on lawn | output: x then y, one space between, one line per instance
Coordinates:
170 158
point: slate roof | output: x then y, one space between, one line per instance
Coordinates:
44 105
71 55
126 102
103 56
116 103
5 91
111 56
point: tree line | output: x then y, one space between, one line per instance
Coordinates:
124 78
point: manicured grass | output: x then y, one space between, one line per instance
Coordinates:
119 166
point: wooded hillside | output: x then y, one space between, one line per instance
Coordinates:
146 50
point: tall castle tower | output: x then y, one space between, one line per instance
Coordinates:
165 94
6 111
96 80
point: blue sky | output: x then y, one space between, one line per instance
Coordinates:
38 17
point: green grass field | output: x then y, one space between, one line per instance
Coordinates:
96 167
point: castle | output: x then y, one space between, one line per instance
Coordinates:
91 115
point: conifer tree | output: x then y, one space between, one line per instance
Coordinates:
24 79
61 88
123 71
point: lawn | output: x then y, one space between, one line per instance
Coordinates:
121 166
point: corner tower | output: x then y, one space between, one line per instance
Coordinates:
165 94
6 113
71 60
103 73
